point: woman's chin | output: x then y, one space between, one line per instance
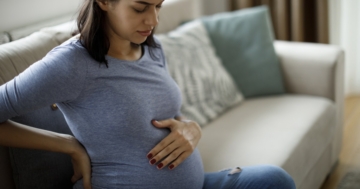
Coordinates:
139 40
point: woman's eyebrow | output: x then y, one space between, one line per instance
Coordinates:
146 3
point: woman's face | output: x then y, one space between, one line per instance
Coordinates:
131 20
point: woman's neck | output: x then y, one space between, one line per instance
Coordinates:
131 53
124 49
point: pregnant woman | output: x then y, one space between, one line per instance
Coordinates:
112 85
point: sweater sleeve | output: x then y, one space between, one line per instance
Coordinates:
58 77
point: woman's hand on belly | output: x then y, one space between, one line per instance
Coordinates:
81 163
178 145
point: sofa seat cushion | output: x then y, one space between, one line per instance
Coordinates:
16 56
284 130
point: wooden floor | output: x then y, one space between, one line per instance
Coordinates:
350 155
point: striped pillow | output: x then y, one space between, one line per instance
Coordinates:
207 89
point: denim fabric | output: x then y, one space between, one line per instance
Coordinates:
253 177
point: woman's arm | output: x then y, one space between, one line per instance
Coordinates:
58 77
17 135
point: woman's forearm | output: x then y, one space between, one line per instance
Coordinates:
13 134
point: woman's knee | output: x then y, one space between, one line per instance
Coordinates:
252 177
275 177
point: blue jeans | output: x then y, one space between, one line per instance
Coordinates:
252 177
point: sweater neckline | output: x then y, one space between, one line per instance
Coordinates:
143 55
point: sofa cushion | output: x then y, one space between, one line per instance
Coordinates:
4 38
16 56
244 42
207 89
42 169
291 131
61 32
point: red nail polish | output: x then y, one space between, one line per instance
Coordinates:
160 165
171 166
152 161
149 156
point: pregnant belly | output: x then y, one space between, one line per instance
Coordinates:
139 174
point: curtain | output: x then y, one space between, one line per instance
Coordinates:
345 32
294 20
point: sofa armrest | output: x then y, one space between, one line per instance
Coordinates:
315 69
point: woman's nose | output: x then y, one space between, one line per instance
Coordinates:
152 18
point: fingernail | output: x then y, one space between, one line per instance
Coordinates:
155 121
149 156
160 165
171 166
152 161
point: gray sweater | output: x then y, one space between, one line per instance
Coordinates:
109 111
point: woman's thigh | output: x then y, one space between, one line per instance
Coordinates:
252 177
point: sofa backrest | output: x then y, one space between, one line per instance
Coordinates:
175 12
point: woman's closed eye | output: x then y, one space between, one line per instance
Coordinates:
141 10
146 7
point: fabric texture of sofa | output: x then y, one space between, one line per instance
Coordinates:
299 130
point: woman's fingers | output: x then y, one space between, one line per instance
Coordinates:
75 178
170 150
177 146
180 148
81 164
162 145
168 123
87 181
86 174
179 160
175 158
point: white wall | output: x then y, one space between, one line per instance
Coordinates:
19 13
334 21
16 14
214 6
345 32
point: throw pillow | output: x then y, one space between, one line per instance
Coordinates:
244 42
207 89
42 169
4 37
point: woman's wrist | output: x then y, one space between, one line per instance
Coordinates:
71 144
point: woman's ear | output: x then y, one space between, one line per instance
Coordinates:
103 4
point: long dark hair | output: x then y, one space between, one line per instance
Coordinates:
91 26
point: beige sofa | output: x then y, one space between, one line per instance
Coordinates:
300 131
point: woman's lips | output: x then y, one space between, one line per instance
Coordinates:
145 33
